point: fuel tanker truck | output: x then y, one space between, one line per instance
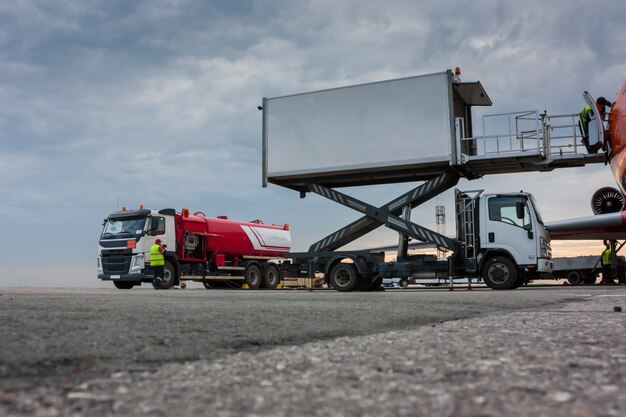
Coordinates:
218 252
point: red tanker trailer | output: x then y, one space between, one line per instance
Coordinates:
216 251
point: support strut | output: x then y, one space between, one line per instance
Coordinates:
386 215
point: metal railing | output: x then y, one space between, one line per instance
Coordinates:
526 132
562 135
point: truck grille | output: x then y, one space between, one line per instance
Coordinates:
116 264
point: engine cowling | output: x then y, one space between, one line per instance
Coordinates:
607 200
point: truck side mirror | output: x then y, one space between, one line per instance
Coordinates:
519 210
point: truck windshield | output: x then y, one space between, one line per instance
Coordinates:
123 228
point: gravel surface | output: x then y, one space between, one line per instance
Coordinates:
566 361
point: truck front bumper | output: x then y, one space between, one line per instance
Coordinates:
125 277
545 265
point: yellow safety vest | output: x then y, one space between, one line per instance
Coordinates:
606 257
156 257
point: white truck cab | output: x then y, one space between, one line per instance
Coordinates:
124 245
514 244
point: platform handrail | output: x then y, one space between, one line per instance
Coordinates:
529 133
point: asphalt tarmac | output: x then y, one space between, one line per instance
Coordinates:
237 352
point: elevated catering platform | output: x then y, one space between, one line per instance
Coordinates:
415 129
525 141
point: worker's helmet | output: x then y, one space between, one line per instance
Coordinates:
157 241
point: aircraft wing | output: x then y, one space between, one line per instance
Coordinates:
610 226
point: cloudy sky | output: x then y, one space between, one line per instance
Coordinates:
117 103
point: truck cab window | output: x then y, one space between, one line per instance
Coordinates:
157 226
122 228
503 209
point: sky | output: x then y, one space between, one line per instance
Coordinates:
113 103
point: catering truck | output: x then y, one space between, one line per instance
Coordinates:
414 129
216 251
501 238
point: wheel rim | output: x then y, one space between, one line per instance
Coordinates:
343 277
254 276
498 273
272 277
167 275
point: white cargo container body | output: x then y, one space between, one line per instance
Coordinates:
370 133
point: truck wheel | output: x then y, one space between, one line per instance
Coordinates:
169 277
499 273
575 278
271 277
344 277
521 280
403 283
123 285
253 276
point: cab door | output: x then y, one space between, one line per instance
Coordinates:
508 224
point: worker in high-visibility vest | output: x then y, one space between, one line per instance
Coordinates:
585 117
607 263
157 262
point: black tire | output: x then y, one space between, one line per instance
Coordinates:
207 283
575 278
123 285
344 277
500 273
403 283
169 277
253 276
521 280
271 277
370 283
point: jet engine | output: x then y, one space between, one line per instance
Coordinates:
607 200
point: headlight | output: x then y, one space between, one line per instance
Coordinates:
136 263
100 270
546 249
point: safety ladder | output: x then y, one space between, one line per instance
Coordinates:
467 232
